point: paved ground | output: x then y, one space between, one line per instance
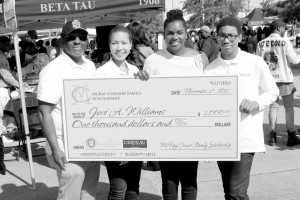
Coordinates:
275 174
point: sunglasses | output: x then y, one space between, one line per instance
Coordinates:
74 36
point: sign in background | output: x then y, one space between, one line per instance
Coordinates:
8 15
184 118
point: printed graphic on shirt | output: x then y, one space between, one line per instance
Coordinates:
272 43
271 58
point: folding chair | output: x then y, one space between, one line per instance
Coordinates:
35 129
12 134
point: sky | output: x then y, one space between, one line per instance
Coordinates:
255 4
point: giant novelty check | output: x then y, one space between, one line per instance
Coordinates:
164 118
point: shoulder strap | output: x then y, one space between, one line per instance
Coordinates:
141 54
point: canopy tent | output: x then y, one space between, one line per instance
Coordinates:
256 18
48 14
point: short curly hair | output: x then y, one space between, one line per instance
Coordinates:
230 21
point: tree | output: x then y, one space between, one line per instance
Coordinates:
208 12
287 10
154 24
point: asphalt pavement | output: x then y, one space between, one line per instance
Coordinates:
275 175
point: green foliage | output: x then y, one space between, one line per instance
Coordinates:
154 24
288 10
208 12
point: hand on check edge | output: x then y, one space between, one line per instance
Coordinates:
142 75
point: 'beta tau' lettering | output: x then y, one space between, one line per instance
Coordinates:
76 5
272 43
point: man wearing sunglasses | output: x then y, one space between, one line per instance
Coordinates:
77 180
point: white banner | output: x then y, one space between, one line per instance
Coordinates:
10 14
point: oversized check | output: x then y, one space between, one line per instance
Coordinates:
164 118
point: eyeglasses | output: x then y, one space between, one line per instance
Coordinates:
74 36
230 37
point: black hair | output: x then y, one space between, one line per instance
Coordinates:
4 39
40 43
58 42
139 34
131 56
174 15
120 29
230 21
139 37
53 41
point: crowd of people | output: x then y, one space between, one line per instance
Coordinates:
261 60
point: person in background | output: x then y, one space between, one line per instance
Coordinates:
250 41
297 40
40 47
177 60
77 179
31 36
58 46
278 53
11 57
7 81
28 51
259 33
124 177
266 32
242 44
51 51
2 165
190 41
47 45
140 44
207 44
153 41
257 90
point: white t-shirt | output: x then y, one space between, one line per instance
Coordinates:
165 64
255 84
51 51
50 87
110 69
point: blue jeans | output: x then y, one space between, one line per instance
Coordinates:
124 180
236 177
173 172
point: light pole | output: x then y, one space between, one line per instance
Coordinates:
248 5
202 7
